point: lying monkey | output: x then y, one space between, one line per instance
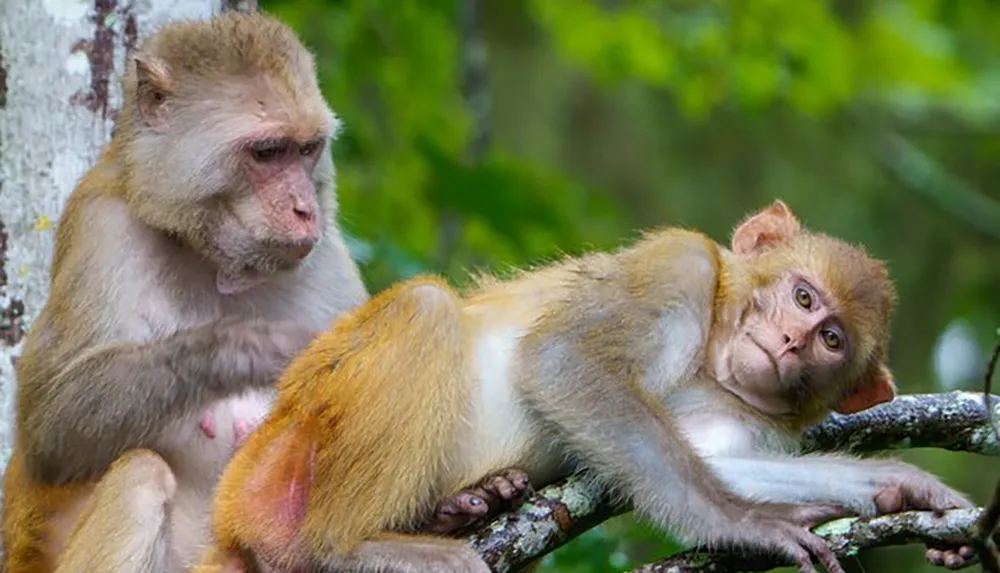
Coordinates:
679 372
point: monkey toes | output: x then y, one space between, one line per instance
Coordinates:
950 557
491 496
504 488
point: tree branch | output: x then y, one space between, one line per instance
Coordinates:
847 537
956 421
547 520
986 548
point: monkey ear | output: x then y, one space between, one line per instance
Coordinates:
769 227
876 387
153 85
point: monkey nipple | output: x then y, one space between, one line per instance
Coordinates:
207 424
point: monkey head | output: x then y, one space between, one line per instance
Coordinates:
811 320
223 137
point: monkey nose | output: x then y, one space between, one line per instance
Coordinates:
790 343
303 213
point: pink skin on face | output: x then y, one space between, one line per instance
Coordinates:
788 327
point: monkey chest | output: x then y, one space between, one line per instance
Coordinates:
714 435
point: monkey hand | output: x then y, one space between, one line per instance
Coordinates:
291 338
909 488
270 345
785 529
481 502
913 489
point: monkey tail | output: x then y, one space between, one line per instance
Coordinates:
359 441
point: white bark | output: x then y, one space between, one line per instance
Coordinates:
62 61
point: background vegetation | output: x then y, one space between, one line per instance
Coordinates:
505 132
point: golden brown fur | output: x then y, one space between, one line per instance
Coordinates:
402 486
674 370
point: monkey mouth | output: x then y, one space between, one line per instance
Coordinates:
770 358
745 394
284 256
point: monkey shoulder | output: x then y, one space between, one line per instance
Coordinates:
666 276
650 304
145 284
677 265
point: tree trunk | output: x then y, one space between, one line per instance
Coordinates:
61 62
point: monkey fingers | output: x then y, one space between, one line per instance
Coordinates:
797 543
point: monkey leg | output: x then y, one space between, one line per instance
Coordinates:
125 527
399 553
217 561
359 442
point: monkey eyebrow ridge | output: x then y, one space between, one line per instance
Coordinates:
269 143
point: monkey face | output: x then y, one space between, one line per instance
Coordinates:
814 321
233 163
789 346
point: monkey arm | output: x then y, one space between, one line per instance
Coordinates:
121 395
618 431
864 487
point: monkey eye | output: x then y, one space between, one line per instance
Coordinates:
309 148
803 297
831 338
267 150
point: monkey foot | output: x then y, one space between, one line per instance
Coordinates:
952 557
488 498
905 496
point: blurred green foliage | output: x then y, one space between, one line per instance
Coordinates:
610 115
